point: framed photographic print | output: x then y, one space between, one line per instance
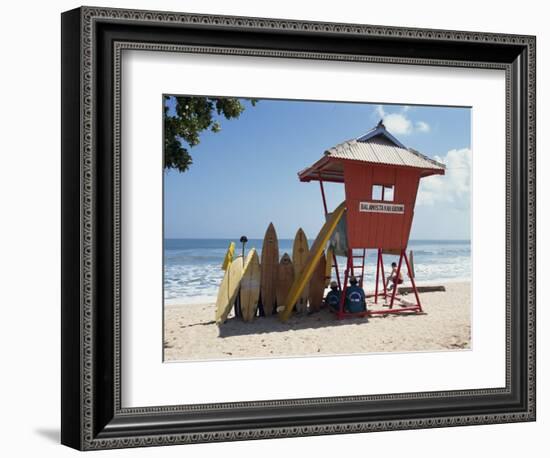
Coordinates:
278 228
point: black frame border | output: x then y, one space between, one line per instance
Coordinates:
92 42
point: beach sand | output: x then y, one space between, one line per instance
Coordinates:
191 333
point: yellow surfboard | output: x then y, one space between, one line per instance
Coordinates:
229 289
300 252
250 285
315 252
228 256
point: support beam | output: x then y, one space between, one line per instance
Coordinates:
377 277
411 275
397 278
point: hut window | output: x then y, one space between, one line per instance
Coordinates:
387 193
383 192
377 191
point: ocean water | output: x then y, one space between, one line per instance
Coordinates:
192 272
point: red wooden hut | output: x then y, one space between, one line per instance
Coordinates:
381 178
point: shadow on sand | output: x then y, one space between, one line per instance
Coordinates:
266 325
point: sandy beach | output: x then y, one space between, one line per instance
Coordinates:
191 333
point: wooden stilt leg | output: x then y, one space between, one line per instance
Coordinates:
397 277
377 277
383 275
413 282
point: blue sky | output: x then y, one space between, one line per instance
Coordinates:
245 176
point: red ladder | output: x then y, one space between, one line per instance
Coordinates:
362 256
348 272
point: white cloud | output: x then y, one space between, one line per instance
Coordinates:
453 188
399 124
422 126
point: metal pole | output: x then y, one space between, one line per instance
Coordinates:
238 312
243 240
323 194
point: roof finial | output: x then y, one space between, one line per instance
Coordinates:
381 124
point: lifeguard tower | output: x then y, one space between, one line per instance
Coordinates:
381 178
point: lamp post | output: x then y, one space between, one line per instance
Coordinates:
243 240
238 313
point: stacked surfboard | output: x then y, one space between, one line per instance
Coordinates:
241 278
275 284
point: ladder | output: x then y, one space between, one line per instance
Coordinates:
361 266
350 271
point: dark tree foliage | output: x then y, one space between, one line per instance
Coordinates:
192 116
